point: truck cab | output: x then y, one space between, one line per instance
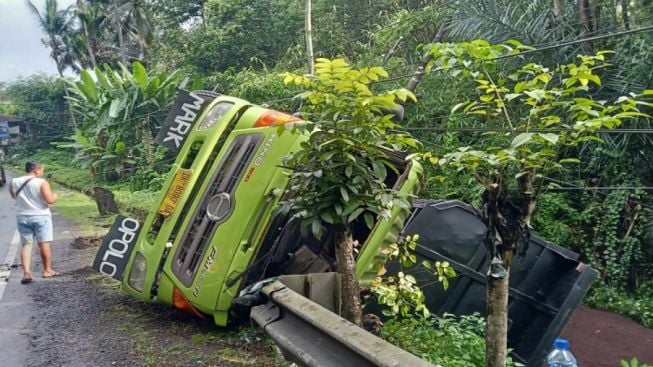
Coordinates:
214 227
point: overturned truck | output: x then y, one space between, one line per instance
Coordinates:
214 228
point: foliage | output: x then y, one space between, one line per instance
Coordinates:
340 171
121 111
56 23
261 87
633 363
401 293
39 100
448 340
637 306
537 115
242 33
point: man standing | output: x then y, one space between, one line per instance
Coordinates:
33 196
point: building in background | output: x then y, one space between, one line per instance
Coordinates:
12 129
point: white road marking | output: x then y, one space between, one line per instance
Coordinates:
5 271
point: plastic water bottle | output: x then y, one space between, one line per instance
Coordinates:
561 356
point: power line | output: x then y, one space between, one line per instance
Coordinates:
506 130
582 40
561 44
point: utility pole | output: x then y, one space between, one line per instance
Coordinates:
309 38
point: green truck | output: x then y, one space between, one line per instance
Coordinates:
214 227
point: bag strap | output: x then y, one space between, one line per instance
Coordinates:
23 186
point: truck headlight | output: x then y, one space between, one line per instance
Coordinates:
137 272
215 114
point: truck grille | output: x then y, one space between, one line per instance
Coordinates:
200 230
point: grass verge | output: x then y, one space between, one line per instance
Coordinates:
162 336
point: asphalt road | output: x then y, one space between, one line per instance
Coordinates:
16 307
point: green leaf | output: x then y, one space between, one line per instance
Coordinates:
550 137
521 139
458 106
140 74
88 86
344 193
570 160
327 216
369 220
511 96
355 214
115 108
316 228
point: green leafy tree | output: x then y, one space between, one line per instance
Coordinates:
539 116
338 176
40 101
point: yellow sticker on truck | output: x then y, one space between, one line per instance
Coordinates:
175 191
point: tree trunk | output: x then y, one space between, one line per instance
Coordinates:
87 39
584 22
121 41
392 51
351 303
309 38
624 12
419 73
65 87
496 333
558 9
106 204
89 49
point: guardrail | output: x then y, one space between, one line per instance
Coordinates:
311 335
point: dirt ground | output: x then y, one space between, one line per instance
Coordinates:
83 319
601 339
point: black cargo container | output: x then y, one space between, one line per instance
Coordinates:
546 284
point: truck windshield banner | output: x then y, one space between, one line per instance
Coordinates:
113 255
180 120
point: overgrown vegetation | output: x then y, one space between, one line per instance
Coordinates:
637 305
447 341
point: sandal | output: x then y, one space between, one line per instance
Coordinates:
53 274
25 280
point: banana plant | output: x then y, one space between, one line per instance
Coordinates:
120 112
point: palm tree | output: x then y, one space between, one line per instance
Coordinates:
90 19
138 23
57 24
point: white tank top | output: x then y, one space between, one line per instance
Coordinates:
30 201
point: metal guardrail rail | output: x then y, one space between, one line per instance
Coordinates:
311 335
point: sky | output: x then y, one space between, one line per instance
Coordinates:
21 50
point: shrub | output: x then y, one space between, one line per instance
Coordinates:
637 306
449 340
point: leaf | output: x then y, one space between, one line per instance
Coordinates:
88 86
570 160
457 107
550 137
344 193
327 216
521 139
369 220
316 228
511 96
115 108
140 74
